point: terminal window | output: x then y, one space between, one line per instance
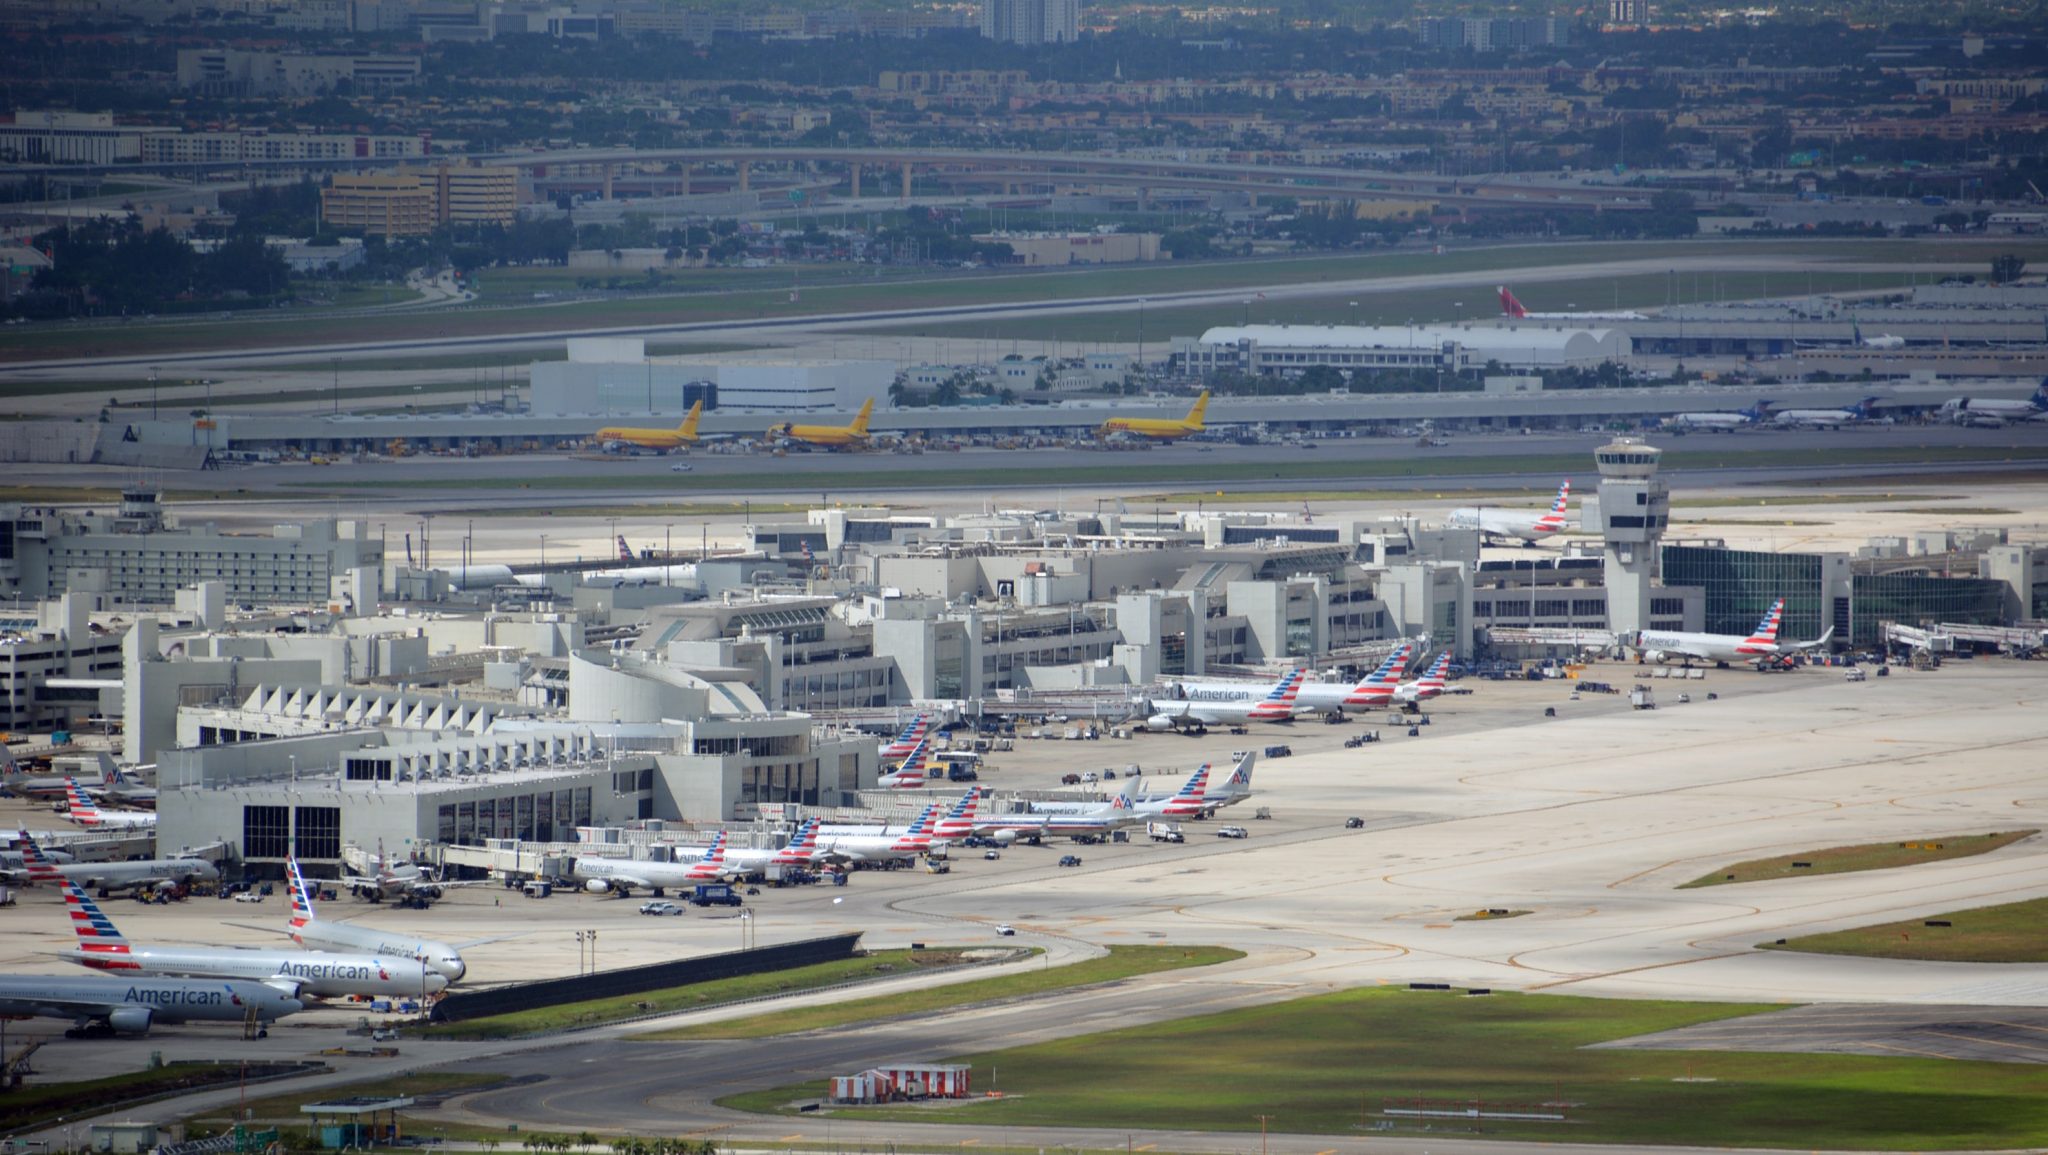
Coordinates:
266 832
319 831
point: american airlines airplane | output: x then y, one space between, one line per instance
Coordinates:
908 740
914 840
1195 716
1758 648
103 947
108 877
88 814
801 850
1429 685
914 772
315 933
1373 690
622 876
1522 525
102 1007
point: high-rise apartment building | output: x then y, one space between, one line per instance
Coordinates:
1031 21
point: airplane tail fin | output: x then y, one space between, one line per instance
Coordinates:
625 551
1554 520
1767 629
84 810
96 932
1241 777
1200 410
40 869
688 429
860 419
1866 408
1509 307
302 897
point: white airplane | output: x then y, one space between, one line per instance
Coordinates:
1373 690
1196 717
913 773
958 822
406 882
1429 685
801 850
315 933
622 876
1508 523
100 1007
1881 341
124 789
1989 411
915 839
87 813
1033 825
104 948
1509 307
108 877
1856 414
1237 787
1759 648
1720 422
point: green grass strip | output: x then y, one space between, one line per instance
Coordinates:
1870 856
595 1012
34 1103
1122 962
2015 932
1334 1064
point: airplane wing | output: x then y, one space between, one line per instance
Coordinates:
83 1008
1815 644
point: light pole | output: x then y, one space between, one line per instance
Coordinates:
543 554
1141 337
593 951
580 969
334 363
152 393
667 552
1262 1132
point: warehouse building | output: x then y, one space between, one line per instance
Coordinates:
614 376
1289 350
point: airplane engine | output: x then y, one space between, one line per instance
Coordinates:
1159 723
597 886
1005 837
130 1020
1654 656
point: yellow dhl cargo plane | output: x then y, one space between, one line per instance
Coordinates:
684 434
1159 428
826 436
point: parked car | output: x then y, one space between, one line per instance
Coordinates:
992 855
1091 776
1070 860
679 467
1070 780
660 908
1005 930
1354 824
1232 832
249 896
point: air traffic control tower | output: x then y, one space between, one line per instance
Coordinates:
1634 509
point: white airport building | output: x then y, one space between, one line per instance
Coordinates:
1288 350
614 377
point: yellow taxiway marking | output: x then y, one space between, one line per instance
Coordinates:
1144 1146
791 1138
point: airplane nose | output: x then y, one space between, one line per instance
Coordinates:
453 967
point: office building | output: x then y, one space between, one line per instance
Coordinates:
1031 21
384 204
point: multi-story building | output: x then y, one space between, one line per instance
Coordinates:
235 72
56 137
257 145
385 204
476 194
1031 21
134 556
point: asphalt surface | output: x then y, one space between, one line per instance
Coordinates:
447 484
1991 1034
1588 820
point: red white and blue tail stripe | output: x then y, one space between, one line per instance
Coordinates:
1553 522
103 945
40 869
1279 701
84 810
959 821
1192 796
1764 639
908 740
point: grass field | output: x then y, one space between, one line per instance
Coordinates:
1324 1064
877 964
727 295
21 1109
1870 856
878 476
1400 306
1122 962
2016 932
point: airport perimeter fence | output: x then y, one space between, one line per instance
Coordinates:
638 980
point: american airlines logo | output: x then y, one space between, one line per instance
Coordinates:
347 971
1217 695
160 997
